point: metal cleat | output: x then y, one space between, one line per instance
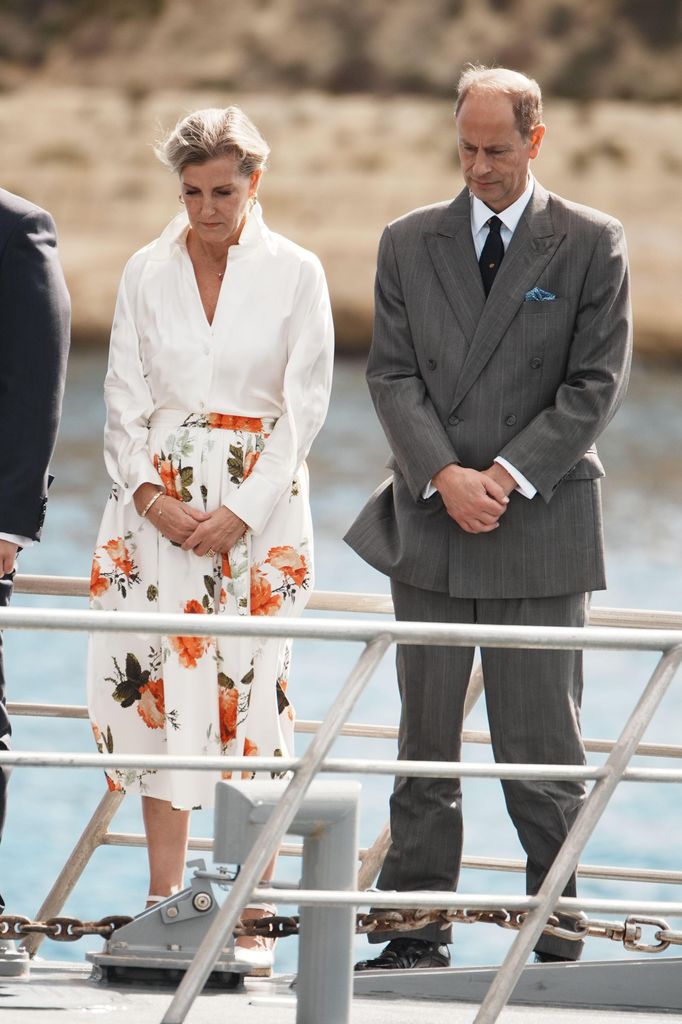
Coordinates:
160 943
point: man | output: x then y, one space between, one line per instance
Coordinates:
34 343
501 350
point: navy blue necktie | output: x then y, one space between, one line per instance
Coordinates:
492 254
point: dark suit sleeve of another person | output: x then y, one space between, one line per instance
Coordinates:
596 375
396 385
34 327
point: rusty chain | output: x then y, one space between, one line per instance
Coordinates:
629 933
59 929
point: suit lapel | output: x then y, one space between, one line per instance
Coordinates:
532 246
452 252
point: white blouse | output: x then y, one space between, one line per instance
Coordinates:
268 353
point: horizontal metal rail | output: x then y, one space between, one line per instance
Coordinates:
354 729
418 769
619 630
375 604
461 901
504 864
363 630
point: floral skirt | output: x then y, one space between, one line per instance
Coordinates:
196 695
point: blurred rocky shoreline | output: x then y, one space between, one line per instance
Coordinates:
341 167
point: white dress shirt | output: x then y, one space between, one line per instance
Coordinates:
268 354
480 215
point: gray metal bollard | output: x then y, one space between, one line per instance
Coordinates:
14 963
328 823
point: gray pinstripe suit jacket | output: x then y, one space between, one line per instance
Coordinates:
456 378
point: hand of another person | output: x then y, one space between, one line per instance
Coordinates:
175 519
474 500
8 556
219 532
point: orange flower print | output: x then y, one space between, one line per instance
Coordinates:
263 601
190 649
226 568
289 562
250 460
151 707
98 584
219 421
104 748
228 698
250 750
164 467
119 555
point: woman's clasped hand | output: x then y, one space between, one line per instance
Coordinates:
204 533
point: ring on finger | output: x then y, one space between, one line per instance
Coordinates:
211 553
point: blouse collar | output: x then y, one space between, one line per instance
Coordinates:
174 236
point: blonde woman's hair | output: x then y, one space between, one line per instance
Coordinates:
214 132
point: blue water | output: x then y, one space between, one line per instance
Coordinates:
49 808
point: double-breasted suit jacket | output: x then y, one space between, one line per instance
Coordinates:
456 378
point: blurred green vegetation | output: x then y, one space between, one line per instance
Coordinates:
604 49
29 28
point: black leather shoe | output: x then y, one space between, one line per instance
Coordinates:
404 954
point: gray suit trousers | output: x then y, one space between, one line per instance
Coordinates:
533 703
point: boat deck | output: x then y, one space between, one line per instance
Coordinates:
58 988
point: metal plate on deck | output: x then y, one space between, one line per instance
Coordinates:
166 970
653 985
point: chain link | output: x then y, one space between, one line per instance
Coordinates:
629 933
59 929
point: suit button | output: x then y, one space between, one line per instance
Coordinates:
510 420
432 364
536 363
453 420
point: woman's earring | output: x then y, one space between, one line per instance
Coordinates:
253 199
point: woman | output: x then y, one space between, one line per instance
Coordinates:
218 381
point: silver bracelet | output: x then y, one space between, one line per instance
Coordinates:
149 504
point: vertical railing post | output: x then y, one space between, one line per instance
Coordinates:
93 836
280 819
502 987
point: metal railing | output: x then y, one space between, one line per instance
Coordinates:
642 631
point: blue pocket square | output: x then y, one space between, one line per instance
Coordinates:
539 295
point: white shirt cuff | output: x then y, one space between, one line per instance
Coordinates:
14 538
523 486
428 491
